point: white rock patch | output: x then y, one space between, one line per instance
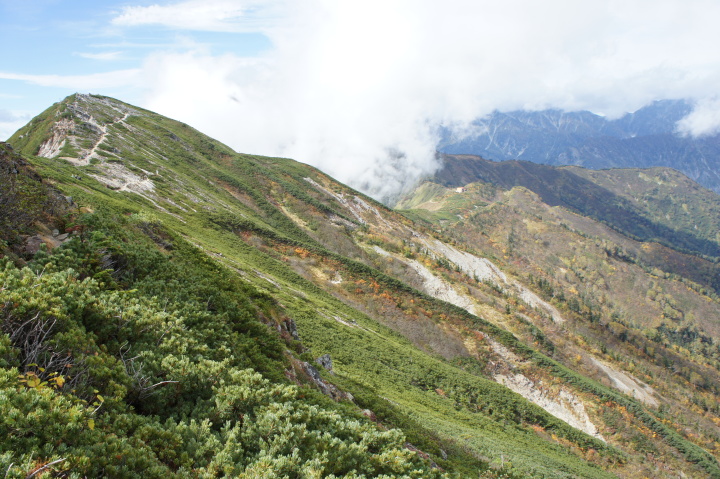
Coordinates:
119 177
51 147
441 289
535 301
628 384
434 285
340 198
485 270
565 405
482 268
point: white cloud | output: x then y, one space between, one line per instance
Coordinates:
7 116
348 82
201 15
102 56
94 81
11 121
704 119
358 88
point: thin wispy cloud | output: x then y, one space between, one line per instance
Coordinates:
7 116
90 82
101 56
135 45
11 121
201 15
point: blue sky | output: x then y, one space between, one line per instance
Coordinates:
53 48
359 88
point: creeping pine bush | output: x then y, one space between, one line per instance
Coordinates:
107 371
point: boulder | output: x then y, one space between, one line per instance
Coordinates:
32 244
325 387
292 329
326 362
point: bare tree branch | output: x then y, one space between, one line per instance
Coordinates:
41 469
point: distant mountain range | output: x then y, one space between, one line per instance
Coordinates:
645 138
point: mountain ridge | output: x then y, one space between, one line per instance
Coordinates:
574 188
424 334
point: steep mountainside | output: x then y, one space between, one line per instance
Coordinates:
643 139
645 204
651 307
202 263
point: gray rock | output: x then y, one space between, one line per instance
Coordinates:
313 373
325 361
32 244
325 387
369 414
292 329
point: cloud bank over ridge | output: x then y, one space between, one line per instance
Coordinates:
360 89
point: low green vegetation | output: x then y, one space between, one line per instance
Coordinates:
122 359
